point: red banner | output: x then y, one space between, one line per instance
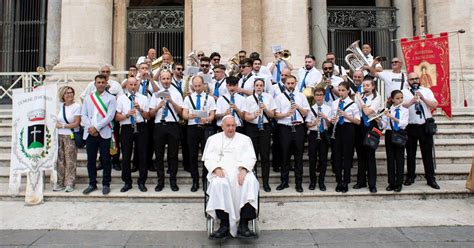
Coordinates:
429 58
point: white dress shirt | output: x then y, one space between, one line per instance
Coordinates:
284 105
274 72
413 117
208 104
72 111
115 88
403 120
124 105
312 79
90 116
335 81
222 106
155 101
325 109
372 102
251 106
352 110
222 87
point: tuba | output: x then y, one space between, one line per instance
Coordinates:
233 65
308 92
355 59
192 59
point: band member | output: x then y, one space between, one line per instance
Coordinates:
277 66
177 79
260 70
366 50
167 111
292 107
147 87
215 59
151 55
97 114
344 115
279 87
242 55
317 122
231 104
113 87
332 83
166 64
246 86
338 70
200 54
393 80
132 110
218 85
132 72
356 84
308 76
199 109
420 101
259 109
205 70
233 188
395 120
367 167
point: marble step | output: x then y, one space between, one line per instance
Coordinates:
449 189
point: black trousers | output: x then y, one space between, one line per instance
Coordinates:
291 140
166 134
197 137
366 163
395 161
150 127
261 144
94 145
276 146
318 153
417 133
343 152
247 212
134 142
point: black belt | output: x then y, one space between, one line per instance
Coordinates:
129 125
251 124
166 123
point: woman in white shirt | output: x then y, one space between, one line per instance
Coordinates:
68 119
395 120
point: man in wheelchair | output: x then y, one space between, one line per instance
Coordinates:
233 188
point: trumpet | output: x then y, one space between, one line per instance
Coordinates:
260 120
133 121
286 55
382 112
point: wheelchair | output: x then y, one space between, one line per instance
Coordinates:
210 222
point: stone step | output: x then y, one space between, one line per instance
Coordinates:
443 172
442 157
419 190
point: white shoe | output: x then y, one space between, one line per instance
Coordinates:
69 189
58 188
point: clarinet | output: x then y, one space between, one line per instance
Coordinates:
318 121
293 120
260 102
165 108
133 121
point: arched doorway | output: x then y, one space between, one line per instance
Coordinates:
157 24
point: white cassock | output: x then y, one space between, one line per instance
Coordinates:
225 193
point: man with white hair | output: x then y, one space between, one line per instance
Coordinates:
233 188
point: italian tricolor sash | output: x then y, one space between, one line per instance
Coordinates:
102 109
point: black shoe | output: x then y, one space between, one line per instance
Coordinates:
282 186
359 186
373 190
390 188
222 232
243 231
322 187
195 187
266 187
101 167
433 185
298 188
126 188
312 186
174 186
106 190
159 187
292 168
398 189
276 169
89 189
409 181
134 169
142 188
339 187
345 188
151 168
116 167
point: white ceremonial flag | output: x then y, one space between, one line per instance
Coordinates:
34 140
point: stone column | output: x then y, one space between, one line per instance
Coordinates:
319 18
119 59
404 21
53 28
188 28
86 35
252 26
217 26
285 23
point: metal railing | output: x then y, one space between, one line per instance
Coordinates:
79 81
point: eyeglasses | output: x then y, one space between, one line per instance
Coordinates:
327 68
394 62
69 93
179 69
241 57
319 94
200 55
216 59
414 79
243 66
218 71
204 65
